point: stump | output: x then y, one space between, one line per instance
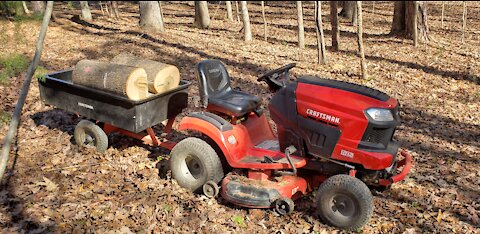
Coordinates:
161 76
120 79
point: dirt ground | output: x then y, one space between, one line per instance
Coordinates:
55 186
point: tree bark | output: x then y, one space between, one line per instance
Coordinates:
25 8
403 20
464 20
229 10
301 30
246 21
38 7
86 14
415 22
322 58
238 12
128 81
202 18
360 39
334 22
161 11
349 10
150 18
114 6
264 21
12 130
443 11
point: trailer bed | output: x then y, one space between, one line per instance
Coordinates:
58 90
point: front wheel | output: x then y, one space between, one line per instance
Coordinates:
90 135
194 162
345 202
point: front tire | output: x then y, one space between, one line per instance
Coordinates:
345 202
194 162
90 135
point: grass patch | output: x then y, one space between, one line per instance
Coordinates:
31 17
238 220
11 65
5 118
40 73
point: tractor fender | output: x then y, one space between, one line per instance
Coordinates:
212 126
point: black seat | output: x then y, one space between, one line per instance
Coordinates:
216 93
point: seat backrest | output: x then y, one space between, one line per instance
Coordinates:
213 79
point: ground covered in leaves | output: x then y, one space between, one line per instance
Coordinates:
56 186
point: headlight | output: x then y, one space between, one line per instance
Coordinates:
380 114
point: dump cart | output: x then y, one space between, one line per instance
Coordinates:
110 112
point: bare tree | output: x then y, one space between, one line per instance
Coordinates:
202 18
246 21
238 12
334 22
301 30
114 7
150 18
229 10
360 39
415 22
464 20
443 11
86 14
38 7
349 11
403 20
25 8
264 21
322 58
12 130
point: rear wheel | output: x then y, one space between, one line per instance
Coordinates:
345 202
90 135
194 162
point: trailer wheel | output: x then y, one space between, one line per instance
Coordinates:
345 202
90 135
194 162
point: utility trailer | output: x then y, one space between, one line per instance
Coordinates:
112 112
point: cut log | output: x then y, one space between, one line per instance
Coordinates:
120 79
161 76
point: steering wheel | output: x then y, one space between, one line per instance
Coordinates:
276 78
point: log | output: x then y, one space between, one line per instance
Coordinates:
120 79
161 76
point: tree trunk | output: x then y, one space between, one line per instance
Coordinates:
161 76
202 18
86 14
150 18
334 22
322 59
301 30
415 22
12 130
229 10
443 11
238 11
120 79
114 6
25 8
246 21
161 11
349 10
360 39
464 20
403 20
38 7
264 21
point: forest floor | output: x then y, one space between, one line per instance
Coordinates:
56 186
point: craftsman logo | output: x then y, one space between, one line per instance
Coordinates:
323 116
214 70
85 105
347 154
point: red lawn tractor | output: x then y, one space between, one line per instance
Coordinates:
331 135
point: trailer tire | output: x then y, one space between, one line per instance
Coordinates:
194 162
90 135
345 202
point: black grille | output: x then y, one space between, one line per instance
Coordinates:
377 135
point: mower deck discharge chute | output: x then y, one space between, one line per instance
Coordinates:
332 135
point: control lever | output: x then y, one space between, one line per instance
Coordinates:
288 151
